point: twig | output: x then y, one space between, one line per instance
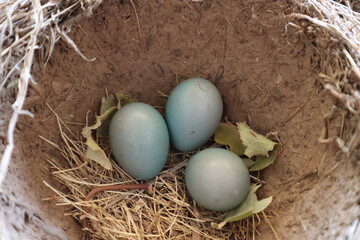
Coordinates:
345 99
298 109
137 18
101 50
331 28
82 16
354 66
23 84
111 188
272 228
68 40
19 37
355 139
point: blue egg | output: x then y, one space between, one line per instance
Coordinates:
139 140
193 112
217 179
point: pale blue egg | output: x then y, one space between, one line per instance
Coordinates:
217 179
139 140
193 112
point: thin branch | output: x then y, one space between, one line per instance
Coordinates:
25 77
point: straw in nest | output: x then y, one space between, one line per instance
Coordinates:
159 209
27 25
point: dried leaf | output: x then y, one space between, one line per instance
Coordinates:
262 204
256 144
248 162
124 99
227 134
94 152
262 162
107 111
107 103
247 208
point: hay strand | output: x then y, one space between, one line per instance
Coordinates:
159 209
23 84
340 62
27 25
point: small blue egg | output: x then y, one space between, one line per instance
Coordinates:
217 179
139 140
193 112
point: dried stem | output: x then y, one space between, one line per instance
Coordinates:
26 25
341 68
111 188
23 84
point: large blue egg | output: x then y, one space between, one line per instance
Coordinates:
193 112
217 179
139 140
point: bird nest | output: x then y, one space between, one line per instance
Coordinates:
29 30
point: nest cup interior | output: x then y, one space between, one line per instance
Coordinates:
267 78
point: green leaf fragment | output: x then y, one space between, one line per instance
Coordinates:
94 152
256 144
227 134
107 103
111 102
103 129
108 108
262 162
244 141
247 208
248 162
123 100
262 204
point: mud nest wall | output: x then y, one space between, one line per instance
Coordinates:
275 70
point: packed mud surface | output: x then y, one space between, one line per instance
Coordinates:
267 77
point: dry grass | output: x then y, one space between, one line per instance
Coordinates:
26 26
159 209
333 30
29 25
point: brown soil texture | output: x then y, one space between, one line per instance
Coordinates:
267 78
